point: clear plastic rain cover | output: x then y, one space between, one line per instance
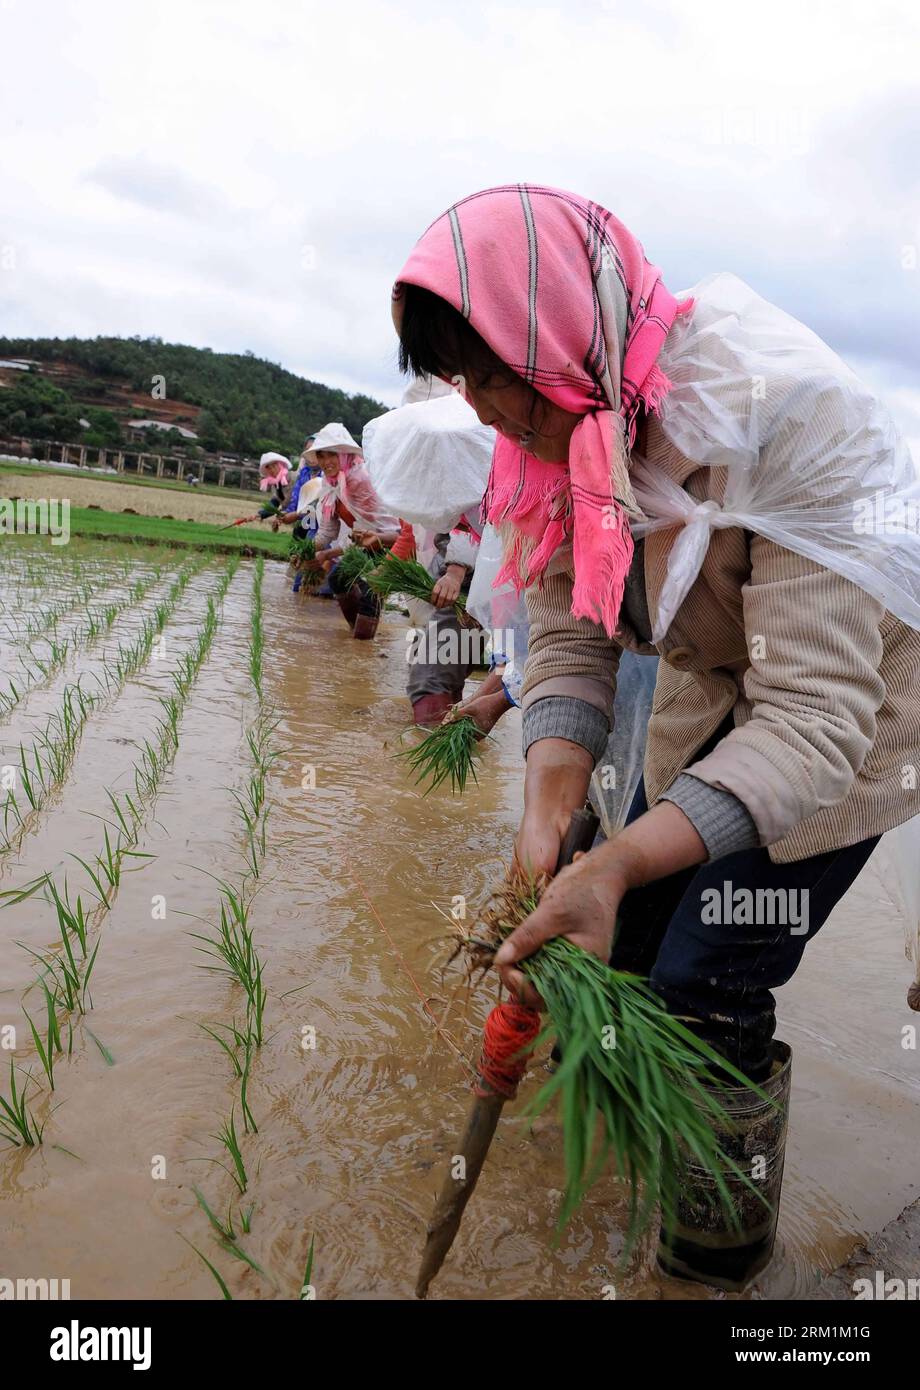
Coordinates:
814 460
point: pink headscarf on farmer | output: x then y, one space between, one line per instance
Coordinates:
354 488
352 485
561 291
274 469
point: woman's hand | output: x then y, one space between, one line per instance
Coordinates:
447 589
368 540
582 901
580 904
484 710
555 784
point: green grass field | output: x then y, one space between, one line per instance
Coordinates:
89 524
155 530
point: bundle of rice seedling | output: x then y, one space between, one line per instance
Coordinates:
301 548
354 564
446 752
301 551
637 1087
395 576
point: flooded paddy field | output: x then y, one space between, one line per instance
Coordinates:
217 871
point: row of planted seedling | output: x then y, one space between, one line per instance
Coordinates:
49 576
232 952
42 765
65 971
37 669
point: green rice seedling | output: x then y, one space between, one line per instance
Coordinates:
204 1259
255 1003
354 564
257 635
72 920
395 576
226 1234
18 1125
11 896
106 1054
52 1002
228 1137
10 697
246 1218
224 1229
232 946
30 782
69 1152
651 1082
227 1047
306 1287
249 1124
45 1047
447 752
301 549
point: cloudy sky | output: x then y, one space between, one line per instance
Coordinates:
252 175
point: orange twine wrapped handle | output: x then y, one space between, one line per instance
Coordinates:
506 1047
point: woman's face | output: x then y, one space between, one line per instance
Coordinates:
329 462
510 405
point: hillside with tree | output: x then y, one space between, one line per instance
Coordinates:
86 390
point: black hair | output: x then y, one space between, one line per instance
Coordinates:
436 340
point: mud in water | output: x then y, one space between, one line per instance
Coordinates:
353 1132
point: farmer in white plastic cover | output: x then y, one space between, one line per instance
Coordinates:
697 479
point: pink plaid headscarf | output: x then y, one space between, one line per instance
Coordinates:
354 488
561 291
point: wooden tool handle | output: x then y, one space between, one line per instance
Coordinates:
579 836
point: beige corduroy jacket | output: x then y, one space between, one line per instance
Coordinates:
822 682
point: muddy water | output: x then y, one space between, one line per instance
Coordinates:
354 1130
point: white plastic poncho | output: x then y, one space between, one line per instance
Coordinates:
751 385
748 379
429 461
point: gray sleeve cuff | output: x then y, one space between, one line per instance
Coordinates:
564 716
721 820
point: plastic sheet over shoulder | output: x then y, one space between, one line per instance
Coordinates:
813 459
429 461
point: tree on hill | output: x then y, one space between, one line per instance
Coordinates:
247 404
34 407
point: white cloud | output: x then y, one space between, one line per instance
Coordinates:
253 176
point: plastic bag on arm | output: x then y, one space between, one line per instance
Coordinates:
501 611
614 780
429 461
813 459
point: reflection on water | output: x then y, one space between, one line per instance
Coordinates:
353 1132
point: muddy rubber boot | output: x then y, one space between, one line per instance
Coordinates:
349 606
365 627
703 1245
431 709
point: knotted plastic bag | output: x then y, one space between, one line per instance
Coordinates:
813 458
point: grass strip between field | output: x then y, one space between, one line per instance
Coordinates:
159 530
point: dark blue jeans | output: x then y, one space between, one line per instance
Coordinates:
714 955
